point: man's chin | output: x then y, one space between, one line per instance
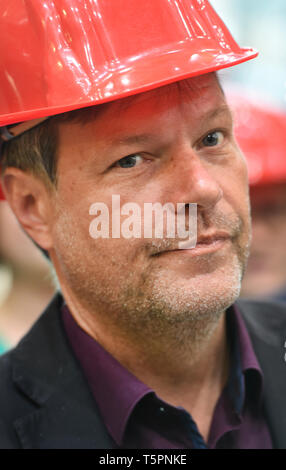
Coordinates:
179 312
192 298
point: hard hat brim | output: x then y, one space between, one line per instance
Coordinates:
176 65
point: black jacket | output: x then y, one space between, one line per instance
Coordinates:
45 401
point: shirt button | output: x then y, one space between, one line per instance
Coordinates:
162 409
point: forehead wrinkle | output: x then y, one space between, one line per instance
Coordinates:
172 94
148 137
133 139
187 88
184 92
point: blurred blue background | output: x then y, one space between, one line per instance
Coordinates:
260 24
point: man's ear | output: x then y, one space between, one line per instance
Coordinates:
31 201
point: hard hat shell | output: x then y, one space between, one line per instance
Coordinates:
260 130
59 55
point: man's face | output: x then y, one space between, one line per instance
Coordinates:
171 145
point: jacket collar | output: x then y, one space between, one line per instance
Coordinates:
64 413
266 323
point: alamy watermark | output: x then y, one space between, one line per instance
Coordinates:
154 221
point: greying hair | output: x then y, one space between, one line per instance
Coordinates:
34 151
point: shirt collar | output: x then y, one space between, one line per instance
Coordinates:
117 391
246 377
114 388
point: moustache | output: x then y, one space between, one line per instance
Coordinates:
210 227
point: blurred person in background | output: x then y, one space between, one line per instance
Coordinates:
261 133
25 281
262 136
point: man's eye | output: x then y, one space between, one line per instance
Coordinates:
130 161
213 139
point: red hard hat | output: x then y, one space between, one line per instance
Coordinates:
62 55
261 132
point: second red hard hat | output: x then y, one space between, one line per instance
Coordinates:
260 130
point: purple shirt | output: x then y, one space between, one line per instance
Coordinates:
136 418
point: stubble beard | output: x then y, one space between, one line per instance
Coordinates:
163 311
151 308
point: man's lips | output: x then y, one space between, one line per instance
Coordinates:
206 243
208 239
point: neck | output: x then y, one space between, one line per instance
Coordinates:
173 359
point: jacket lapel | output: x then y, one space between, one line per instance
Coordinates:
63 425
266 323
64 414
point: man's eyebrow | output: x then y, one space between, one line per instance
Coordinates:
148 137
133 139
221 110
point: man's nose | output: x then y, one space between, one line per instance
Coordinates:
194 182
